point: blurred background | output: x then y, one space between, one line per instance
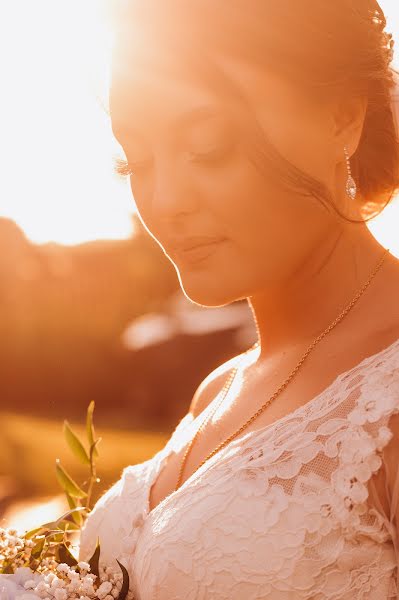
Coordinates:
90 308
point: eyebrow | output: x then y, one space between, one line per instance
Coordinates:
183 120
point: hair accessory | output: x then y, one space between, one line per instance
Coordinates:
379 20
350 182
390 43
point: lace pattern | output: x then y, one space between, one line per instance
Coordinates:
282 513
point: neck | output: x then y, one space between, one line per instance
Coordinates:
318 289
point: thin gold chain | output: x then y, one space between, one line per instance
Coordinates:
224 392
232 375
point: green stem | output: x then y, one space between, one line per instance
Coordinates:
93 477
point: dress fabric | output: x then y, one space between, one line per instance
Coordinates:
286 512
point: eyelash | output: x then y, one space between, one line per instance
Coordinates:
123 168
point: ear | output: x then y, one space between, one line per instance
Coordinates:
348 118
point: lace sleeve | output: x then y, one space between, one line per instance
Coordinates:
381 420
390 492
390 459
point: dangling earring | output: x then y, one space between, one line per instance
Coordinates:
350 182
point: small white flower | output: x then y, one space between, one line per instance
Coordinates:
57 583
61 594
48 578
73 575
84 566
63 568
87 587
104 589
73 586
42 586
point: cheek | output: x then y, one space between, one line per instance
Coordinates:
251 209
264 218
302 135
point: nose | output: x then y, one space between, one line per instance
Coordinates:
173 194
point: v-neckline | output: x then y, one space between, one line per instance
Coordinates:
164 455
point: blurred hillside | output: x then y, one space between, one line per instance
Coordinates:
63 314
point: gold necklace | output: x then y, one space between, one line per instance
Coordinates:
232 375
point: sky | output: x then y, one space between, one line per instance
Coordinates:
56 144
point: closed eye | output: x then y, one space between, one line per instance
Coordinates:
124 168
214 156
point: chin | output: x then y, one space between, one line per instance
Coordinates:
208 290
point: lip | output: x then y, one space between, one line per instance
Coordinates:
194 242
200 251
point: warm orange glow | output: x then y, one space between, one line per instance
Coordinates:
56 178
385 227
24 515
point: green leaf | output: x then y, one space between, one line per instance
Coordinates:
38 548
75 444
50 532
7 568
125 583
56 535
68 516
32 532
93 449
65 556
71 501
95 560
90 427
52 525
69 525
9 564
67 483
76 516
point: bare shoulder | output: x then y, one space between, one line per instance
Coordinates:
211 385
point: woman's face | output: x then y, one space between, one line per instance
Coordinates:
191 177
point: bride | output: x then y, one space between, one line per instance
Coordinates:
259 139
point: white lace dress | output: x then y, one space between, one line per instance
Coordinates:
281 513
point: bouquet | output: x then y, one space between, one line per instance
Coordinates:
40 563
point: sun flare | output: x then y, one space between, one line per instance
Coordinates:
57 178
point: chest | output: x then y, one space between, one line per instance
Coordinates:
260 398
218 426
255 525
249 392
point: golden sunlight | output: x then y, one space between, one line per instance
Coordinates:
57 181
25 515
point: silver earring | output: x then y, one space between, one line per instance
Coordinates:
351 188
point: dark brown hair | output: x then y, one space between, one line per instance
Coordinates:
326 46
